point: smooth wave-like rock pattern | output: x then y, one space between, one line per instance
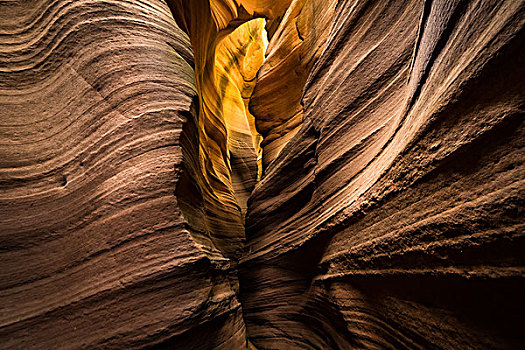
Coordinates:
238 58
94 250
394 217
294 47
386 213
222 160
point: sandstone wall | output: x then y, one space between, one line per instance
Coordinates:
218 174
394 217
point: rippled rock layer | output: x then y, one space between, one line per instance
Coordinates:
394 217
95 252
219 174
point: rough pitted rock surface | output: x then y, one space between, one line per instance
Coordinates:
386 211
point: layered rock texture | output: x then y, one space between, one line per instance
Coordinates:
262 174
393 218
295 46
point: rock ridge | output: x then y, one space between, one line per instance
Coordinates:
262 174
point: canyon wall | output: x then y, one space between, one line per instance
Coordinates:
394 217
95 252
262 174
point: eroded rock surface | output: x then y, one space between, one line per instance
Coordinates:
219 174
393 218
95 252
295 46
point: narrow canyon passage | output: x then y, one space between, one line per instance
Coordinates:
339 251
262 174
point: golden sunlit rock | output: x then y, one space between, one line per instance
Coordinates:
262 174
223 160
297 43
238 58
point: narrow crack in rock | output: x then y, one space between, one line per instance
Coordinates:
262 174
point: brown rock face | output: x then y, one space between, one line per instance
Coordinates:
380 144
393 219
94 250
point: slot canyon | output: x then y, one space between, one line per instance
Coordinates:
262 174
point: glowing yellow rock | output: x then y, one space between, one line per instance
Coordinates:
293 48
223 160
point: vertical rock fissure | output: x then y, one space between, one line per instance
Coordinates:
222 153
230 80
225 134
238 58
223 93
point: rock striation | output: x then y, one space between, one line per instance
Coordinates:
394 217
262 174
295 47
95 252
